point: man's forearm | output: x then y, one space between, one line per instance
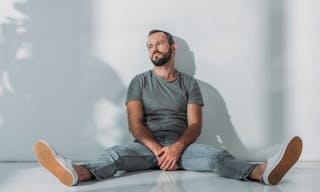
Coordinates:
190 135
144 136
172 153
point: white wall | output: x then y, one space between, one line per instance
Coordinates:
303 58
65 67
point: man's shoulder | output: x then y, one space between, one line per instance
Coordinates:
143 74
141 77
187 78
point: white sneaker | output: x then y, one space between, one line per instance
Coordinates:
59 166
279 164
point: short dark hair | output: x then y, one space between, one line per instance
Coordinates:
169 36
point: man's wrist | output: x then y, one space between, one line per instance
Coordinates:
180 145
155 149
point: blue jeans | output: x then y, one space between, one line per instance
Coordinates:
196 157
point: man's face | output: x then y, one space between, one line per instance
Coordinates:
159 49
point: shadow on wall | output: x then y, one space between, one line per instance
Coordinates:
217 127
276 70
53 87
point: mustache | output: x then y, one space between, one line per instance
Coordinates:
156 52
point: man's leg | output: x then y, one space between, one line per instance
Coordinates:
131 157
83 173
200 157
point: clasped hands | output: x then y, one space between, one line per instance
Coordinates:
168 157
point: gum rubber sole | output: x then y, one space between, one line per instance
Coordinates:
47 159
290 157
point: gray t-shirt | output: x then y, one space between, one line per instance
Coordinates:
165 102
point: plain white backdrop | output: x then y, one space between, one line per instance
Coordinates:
65 67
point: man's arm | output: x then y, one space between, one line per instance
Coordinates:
194 116
138 129
171 154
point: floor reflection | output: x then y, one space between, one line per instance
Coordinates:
32 177
169 182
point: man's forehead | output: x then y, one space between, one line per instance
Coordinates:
157 37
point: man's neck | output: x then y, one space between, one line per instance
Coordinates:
167 71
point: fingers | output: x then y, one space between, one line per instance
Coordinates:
161 160
164 163
160 152
161 156
167 160
169 165
172 167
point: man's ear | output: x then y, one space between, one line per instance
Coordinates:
174 47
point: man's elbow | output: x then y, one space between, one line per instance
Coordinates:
135 131
199 132
198 127
131 130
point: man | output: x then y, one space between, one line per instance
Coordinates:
164 115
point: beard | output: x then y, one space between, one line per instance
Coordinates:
163 60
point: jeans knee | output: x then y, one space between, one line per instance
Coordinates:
112 154
221 162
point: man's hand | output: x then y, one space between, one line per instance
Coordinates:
169 156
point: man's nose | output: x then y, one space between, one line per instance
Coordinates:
154 48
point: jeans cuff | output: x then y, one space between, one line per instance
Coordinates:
92 171
246 175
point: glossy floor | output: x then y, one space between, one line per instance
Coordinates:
31 177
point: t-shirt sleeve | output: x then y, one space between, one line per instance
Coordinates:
195 96
135 89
